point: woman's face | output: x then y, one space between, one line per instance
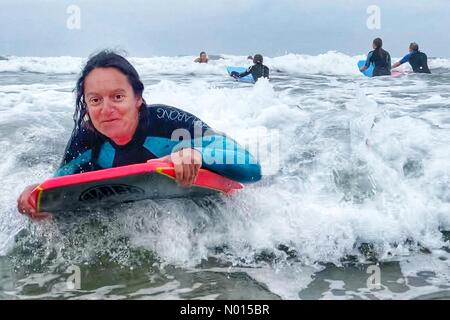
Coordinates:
111 104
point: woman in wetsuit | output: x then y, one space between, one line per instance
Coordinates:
115 127
380 58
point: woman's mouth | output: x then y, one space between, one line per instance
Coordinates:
110 120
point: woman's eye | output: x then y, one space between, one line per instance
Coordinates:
94 100
119 96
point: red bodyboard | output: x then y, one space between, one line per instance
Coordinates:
109 187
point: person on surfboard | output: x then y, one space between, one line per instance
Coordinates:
257 71
380 58
115 127
416 58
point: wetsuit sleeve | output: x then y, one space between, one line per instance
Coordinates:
226 157
78 154
388 60
406 58
369 59
245 73
176 129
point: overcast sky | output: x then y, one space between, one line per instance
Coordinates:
242 27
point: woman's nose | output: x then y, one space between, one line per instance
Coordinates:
108 106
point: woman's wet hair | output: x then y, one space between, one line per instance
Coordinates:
104 59
203 52
378 43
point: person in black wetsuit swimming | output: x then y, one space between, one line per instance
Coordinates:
257 71
380 58
418 60
115 127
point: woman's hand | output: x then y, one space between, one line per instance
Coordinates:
27 205
187 163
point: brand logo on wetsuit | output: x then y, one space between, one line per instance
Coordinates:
99 193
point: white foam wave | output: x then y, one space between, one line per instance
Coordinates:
330 63
364 161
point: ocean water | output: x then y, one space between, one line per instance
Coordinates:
354 203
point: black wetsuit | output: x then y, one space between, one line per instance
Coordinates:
381 60
156 136
418 61
257 71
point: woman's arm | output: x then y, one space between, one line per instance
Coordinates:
245 73
225 156
176 129
78 155
368 62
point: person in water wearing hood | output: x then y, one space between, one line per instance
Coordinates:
380 58
417 59
257 71
203 58
114 126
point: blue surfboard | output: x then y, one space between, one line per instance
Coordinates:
247 79
369 71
